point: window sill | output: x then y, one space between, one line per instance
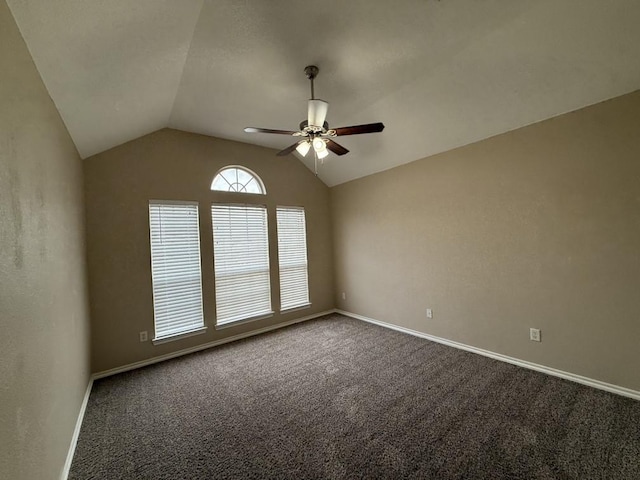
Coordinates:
296 308
178 336
244 320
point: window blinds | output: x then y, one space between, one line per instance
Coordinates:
292 256
175 268
241 262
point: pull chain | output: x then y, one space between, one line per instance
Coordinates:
315 162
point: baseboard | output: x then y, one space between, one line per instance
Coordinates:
204 346
626 392
76 432
132 366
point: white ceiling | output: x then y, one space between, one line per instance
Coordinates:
439 74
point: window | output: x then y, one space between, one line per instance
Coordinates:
292 257
175 268
241 262
237 179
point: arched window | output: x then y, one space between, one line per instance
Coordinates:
238 179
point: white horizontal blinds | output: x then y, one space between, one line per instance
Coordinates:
175 268
292 256
241 262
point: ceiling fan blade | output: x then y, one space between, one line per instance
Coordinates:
317 112
336 147
268 130
288 150
358 129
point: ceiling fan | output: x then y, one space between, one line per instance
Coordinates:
314 131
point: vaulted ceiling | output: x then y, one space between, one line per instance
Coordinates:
439 74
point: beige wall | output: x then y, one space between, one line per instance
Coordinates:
539 227
174 165
44 327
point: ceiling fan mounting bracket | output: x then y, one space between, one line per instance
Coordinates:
311 71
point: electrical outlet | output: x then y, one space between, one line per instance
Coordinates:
429 313
344 296
534 335
143 336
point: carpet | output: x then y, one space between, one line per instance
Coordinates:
338 398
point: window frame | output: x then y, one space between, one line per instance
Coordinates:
254 177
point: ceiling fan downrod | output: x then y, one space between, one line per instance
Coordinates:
311 71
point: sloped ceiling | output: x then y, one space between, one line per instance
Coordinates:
439 74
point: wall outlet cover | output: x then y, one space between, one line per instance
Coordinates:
534 335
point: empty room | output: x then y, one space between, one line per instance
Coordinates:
335 240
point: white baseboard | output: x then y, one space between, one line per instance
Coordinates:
626 392
132 366
204 346
76 432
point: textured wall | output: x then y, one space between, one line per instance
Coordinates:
539 227
174 165
44 327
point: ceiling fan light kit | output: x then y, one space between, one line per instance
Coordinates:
315 131
322 153
318 144
303 148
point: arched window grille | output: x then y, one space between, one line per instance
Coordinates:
238 179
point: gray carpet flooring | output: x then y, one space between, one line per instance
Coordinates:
338 398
